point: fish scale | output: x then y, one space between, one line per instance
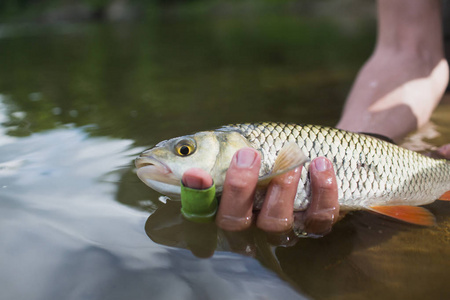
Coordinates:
369 171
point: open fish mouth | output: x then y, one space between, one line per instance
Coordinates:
144 161
150 169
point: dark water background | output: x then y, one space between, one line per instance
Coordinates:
79 102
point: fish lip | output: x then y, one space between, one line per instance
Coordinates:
151 170
145 161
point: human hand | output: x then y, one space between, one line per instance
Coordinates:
236 208
444 151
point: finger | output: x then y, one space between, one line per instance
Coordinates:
277 211
235 210
323 211
444 151
197 179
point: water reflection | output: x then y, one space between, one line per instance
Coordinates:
363 250
76 222
375 254
64 237
166 226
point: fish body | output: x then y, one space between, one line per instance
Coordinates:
370 172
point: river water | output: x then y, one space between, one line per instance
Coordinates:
79 102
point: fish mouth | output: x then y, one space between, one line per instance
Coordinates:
144 161
151 169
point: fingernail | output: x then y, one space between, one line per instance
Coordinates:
192 182
322 164
197 179
245 158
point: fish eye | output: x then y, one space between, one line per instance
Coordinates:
185 148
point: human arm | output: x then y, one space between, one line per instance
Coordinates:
400 85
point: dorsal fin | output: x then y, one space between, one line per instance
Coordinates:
289 158
411 214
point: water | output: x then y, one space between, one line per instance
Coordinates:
78 103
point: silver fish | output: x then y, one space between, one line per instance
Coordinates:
371 174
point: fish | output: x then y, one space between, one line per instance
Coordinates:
372 174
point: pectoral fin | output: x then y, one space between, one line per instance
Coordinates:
289 158
411 214
445 197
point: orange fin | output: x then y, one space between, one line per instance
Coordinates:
411 214
445 197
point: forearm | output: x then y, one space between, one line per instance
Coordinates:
403 81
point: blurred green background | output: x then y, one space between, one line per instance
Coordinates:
131 66
126 10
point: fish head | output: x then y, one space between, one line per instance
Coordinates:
162 166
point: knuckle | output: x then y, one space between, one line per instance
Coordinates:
240 181
323 216
287 180
327 183
232 223
237 184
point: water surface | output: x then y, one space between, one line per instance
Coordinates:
78 103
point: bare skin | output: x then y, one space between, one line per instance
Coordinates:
444 151
400 85
394 93
236 206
